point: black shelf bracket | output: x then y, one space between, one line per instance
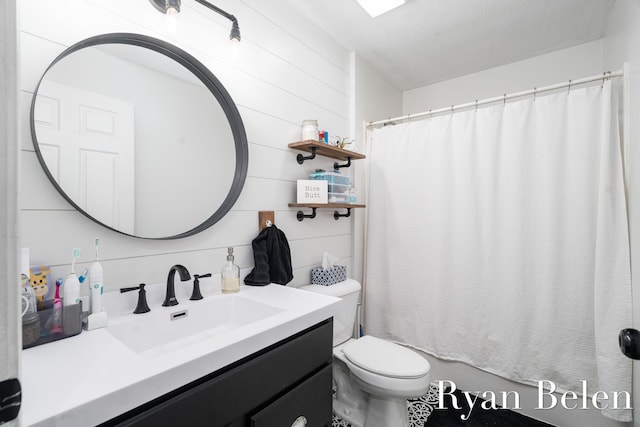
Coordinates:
300 215
300 158
336 166
337 215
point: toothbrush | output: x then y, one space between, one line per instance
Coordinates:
95 283
56 326
83 276
75 254
71 283
58 284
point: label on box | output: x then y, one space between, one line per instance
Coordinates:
312 191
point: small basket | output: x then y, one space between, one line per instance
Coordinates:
37 328
329 276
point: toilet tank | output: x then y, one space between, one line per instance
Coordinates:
345 317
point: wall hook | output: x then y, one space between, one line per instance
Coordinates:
300 158
337 215
301 215
336 166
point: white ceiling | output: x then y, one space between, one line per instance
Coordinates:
426 41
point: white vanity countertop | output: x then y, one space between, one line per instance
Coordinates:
92 377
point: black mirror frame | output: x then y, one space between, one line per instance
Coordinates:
207 78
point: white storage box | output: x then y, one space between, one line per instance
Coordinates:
339 197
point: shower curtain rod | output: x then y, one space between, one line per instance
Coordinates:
604 76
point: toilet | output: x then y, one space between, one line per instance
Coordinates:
373 377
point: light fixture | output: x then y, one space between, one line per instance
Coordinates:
172 8
378 7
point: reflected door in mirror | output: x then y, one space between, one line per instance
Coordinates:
87 142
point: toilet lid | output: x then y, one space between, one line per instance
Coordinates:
386 358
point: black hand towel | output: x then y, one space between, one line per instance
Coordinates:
272 258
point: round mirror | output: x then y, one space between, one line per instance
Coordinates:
139 136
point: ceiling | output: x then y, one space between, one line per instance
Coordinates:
426 41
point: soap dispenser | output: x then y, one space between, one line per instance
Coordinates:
230 275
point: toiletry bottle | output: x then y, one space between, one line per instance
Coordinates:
95 284
230 275
309 130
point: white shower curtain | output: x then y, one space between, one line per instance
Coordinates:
498 237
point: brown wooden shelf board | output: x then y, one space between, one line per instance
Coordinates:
326 150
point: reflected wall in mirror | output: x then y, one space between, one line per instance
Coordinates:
139 136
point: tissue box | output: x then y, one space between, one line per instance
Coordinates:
329 276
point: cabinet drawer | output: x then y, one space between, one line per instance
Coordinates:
309 400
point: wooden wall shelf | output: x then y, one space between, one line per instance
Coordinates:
315 147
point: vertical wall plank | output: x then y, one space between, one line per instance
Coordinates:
10 340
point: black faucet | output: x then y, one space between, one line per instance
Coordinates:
142 306
170 298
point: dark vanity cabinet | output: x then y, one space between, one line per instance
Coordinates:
288 383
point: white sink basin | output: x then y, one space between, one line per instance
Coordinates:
167 329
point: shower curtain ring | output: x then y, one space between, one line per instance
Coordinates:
476 105
569 90
535 92
504 99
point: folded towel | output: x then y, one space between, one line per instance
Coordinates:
272 258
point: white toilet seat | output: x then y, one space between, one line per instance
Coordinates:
402 382
385 358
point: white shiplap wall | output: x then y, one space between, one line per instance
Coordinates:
287 71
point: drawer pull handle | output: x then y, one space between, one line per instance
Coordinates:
301 421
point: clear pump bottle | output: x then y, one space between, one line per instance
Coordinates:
230 275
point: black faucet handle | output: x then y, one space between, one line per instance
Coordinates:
142 306
196 295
